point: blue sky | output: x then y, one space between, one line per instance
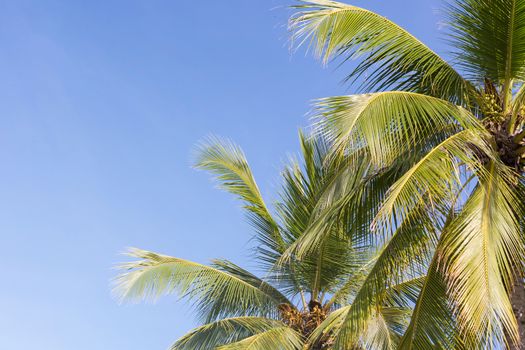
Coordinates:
101 105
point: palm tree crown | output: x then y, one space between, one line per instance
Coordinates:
425 166
299 302
456 135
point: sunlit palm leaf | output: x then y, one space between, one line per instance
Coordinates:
432 324
405 253
222 290
223 332
393 58
304 190
383 323
436 176
354 202
389 124
518 104
480 248
490 38
227 161
278 338
381 331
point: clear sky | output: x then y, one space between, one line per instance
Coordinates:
101 105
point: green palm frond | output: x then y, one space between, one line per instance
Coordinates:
220 290
388 310
432 323
358 204
225 331
279 338
392 57
368 308
490 38
403 294
228 163
304 190
377 335
353 208
382 330
246 276
436 176
309 184
330 326
407 250
389 124
480 249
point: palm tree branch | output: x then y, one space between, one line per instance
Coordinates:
220 290
394 59
284 338
227 161
225 331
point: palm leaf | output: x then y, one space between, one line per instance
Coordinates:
480 248
490 38
349 201
278 338
389 124
382 330
223 332
305 190
227 161
432 324
518 104
393 58
436 176
405 251
220 290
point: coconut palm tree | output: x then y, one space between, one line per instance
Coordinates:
299 303
453 136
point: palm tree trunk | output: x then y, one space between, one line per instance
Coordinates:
518 305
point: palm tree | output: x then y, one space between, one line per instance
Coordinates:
299 303
452 136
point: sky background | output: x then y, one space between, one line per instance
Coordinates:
101 106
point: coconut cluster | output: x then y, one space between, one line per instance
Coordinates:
306 321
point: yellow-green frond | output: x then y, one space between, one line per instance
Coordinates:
436 177
279 338
389 124
221 290
228 163
222 332
390 56
480 249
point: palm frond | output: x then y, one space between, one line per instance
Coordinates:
403 254
435 177
432 323
281 338
225 331
480 249
490 38
377 294
220 290
350 202
382 330
389 124
305 189
393 58
228 163
403 294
